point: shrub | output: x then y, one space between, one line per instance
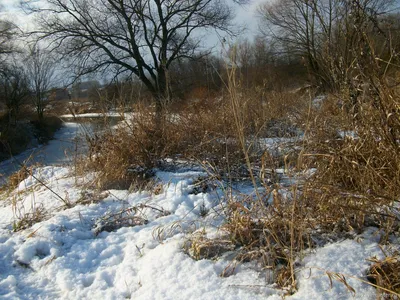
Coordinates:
46 128
14 139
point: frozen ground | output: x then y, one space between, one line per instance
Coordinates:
65 257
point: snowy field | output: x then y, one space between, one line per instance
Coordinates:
75 249
68 255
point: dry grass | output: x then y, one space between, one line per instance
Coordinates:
127 217
200 247
28 219
273 231
16 178
386 274
204 132
356 182
124 156
358 175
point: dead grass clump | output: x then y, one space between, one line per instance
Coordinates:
27 220
270 225
124 218
203 184
386 274
211 132
200 247
284 277
124 157
90 197
203 132
273 230
16 178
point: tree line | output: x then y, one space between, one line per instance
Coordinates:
25 75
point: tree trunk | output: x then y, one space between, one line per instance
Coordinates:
161 97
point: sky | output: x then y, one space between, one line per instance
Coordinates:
245 16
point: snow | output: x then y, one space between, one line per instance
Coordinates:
61 257
317 102
348 258
92 115
64 255
348 134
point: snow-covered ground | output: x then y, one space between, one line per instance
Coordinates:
70 251
66 256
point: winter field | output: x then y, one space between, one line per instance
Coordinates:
74 242
174 150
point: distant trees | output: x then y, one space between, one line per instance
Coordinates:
13 81
14 90
23 75
142 37
202 73
326 33
261 64
40 70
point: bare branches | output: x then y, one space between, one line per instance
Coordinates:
40 68
323 32
141 36
7 31
13 90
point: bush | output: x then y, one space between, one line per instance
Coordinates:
46 128
14 140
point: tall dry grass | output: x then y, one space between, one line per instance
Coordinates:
351 143
201 131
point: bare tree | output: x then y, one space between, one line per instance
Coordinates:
40 69
142 37
13 83
13 90
323 32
